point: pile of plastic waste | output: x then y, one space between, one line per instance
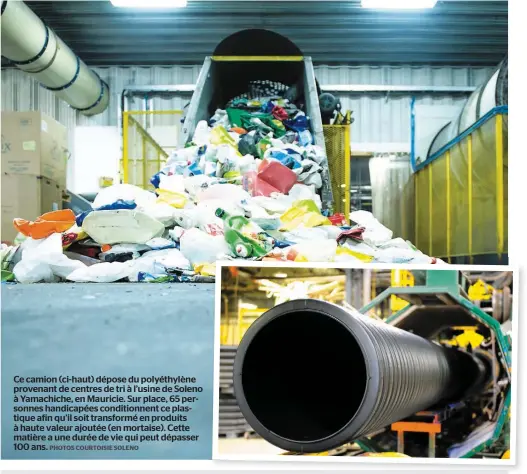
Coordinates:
246 187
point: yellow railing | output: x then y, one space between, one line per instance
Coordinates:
338 150
460 198
400 278
142 156
233 329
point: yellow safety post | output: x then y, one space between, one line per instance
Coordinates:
448 210
338 149
125 147
499 184
145 161
469 157
398 279
416 212
430 210
347 172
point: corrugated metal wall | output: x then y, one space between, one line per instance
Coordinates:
379 118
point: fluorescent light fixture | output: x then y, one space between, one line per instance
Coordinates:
280 275
149 3
247 305
399 4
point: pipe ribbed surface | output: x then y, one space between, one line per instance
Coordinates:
310 376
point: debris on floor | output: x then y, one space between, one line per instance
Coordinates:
247 186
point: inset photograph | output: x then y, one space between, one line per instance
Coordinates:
362 362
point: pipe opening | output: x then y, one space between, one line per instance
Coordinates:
296 376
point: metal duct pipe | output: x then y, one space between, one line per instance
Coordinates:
493 93
35 49
310 376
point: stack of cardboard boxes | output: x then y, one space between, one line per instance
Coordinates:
34 164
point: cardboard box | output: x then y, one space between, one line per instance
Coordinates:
34 144
28 197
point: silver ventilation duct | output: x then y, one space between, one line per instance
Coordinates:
34 48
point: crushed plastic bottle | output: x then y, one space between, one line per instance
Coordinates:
244 237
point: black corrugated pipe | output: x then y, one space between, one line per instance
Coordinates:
310 376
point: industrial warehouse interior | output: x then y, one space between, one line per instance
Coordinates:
269 403
335 172
153 120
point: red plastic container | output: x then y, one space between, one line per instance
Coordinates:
256 186
338 219
277 175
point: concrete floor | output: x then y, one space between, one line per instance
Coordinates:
133 298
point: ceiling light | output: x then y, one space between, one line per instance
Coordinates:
280 275
149 3
399 4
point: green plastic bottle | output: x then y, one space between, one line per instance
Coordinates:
245 238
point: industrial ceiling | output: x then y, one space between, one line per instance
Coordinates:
332 32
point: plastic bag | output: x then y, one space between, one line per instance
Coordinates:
176 233
163 213
119 204
375 234
201 134
303 214
263 145
125 192
303 234
396 243
299 192
345 254
220 118
113 254
122 226
72 235
206 269
159 243
195 184
101 273
289 160
305 138
314 179
247 144
220 136
247 164
226 192
399 255
315 153
308 251
176 200
33 271
43 260
199 247
174 183
278 204
46 224
157 262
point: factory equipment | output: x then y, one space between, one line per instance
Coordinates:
489 95
461 186
310 376
34 48
251 55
